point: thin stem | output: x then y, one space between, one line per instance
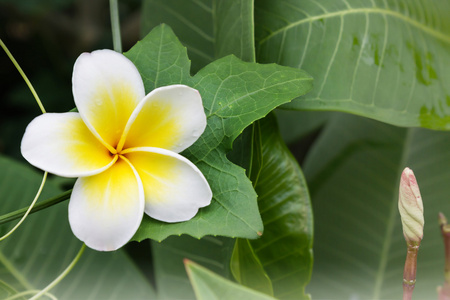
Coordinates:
44 178
30 86
115 25
409 273
41 205
62 275
445 230
444 291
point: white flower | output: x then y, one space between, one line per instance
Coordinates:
123 146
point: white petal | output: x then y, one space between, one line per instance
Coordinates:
174 187
170 117
106 209
107 88
62 144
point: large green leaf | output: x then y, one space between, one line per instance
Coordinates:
216 30
285 249
248 270
385 60
354 171
44 246
196 33
209 286
234 29
234 94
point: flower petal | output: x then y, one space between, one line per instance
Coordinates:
106 209
174 187
170 117
107 88
62 144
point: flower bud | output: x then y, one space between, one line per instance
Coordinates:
411 207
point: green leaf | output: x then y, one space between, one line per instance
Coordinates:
218 29
44 245
170 275
354 172
234 94
209 286
285 249
160 59
234 29
384 60
240 93
248 270
196 34
247 152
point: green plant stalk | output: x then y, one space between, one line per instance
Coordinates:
61 276
445 230
22 73
44 178
115 25
409 273
41 205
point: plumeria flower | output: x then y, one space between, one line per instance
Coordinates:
123 145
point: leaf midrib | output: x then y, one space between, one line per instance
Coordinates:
373 10
247 95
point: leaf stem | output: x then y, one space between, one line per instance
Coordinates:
445 230
61 276
41 205
115 25
44 178
30 86
444 291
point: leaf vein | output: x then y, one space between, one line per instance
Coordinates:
374 10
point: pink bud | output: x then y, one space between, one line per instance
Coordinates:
444 292
411 207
